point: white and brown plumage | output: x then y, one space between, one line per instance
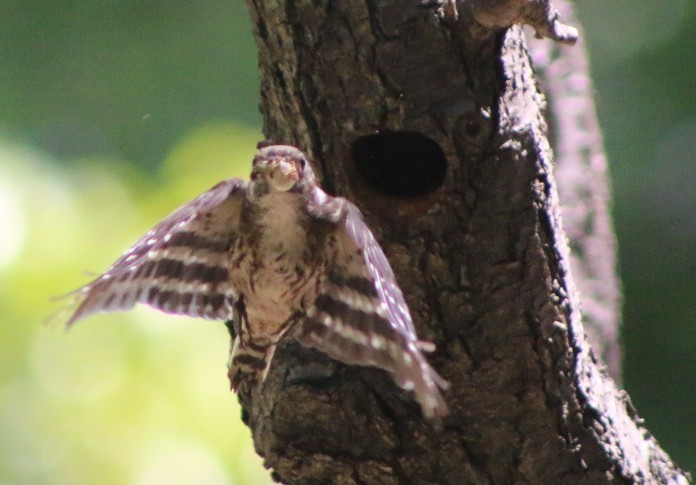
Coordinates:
278 257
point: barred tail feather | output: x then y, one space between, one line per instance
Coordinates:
249 363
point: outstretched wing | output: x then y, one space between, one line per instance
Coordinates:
180 266
360 316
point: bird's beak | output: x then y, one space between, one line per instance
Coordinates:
281 174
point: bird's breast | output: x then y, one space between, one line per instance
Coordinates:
274 264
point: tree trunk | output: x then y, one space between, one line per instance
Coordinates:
435 128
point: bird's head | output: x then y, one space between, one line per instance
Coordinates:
281 167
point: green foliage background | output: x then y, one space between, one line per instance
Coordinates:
114 113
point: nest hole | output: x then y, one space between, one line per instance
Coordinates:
400 163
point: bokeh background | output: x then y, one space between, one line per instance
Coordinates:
114 113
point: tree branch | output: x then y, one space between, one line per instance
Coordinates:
583 185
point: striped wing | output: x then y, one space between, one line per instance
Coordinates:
180 266
360 316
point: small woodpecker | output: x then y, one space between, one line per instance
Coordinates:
275 257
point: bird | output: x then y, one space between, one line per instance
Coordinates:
275 257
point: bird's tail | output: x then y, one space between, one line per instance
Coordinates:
249 363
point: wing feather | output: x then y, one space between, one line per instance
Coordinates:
180 266
360 316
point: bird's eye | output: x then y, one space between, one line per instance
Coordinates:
302 163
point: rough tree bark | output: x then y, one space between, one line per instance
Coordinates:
435 128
